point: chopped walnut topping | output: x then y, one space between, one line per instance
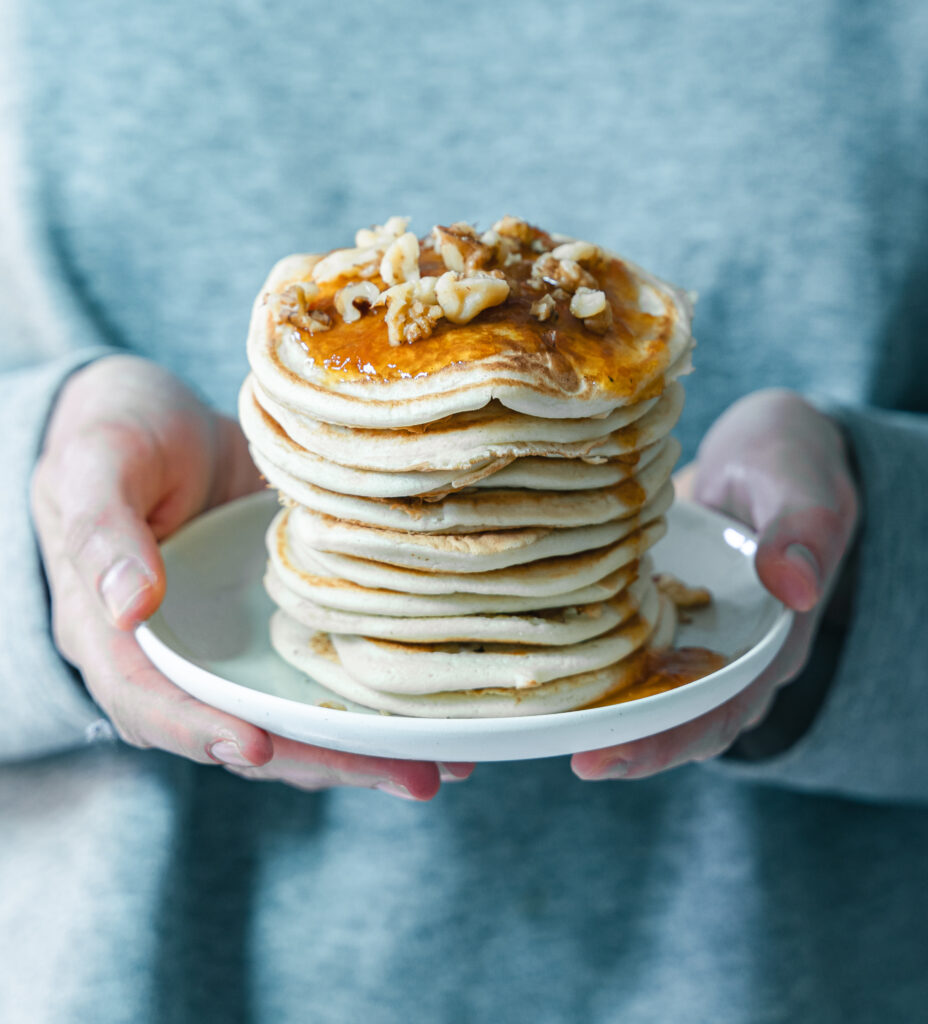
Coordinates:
379 237
591 306
520 230
587 302
412 310
362 261
449 247
463 297
401 260
682 595
567 274
506 250
291 306
461 227
354 299
543 308
460 248
584 253
346 263
295 298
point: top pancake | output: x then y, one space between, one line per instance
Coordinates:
350 373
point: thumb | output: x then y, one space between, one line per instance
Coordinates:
798 553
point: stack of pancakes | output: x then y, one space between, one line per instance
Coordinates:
470 434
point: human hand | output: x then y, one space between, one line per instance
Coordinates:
780 466
131 454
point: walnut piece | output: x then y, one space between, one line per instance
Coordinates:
291 306
566 274
363 260
353 299
587 302
412 310
380 236
462 297
682 595
401 260
584 253
460 248
520 230
505 250
543 308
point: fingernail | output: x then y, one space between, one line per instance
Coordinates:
609 770
802 553
454 772
122 585
395 789
229 752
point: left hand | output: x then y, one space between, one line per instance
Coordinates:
780 466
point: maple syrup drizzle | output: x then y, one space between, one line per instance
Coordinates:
632 350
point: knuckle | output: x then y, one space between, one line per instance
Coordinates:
132 441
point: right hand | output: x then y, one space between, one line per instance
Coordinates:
131 454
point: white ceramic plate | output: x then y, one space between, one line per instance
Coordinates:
210 638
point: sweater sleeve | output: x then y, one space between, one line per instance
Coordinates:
869 737
45 707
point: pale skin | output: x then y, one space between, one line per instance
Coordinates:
130 454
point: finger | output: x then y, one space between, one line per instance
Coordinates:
313 768
798 553
98 488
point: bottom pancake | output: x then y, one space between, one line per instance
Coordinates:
313 653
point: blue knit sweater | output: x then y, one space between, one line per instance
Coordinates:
156 159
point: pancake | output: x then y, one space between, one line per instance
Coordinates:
535 579
442 666
314 653
452 443
350 374
451 469
457 552
556 627
314 582
481 509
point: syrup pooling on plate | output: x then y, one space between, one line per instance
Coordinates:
666 670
